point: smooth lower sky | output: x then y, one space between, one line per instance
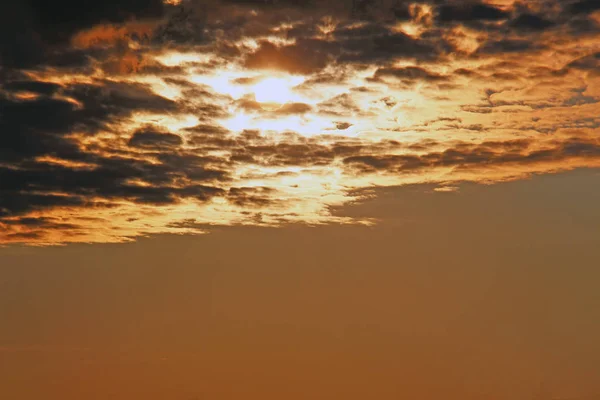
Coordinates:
488 292
300 199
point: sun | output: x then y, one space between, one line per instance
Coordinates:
276 89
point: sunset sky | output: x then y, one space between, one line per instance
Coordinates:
300 199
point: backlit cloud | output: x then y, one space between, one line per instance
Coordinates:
138 118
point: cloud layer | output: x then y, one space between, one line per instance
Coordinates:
143 117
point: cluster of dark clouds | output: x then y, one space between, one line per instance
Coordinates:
36 32
35 131
484 155
513 29
49 157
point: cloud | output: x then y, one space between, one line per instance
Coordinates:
485 155
148 138
127 117
583 6
304 57
470 12
32 30
293 108
371 42
251 196
531 22
41 126
408 74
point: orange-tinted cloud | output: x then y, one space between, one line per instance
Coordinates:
264 114
102 35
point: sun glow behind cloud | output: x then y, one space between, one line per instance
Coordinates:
277 90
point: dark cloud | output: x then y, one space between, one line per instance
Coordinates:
303 57
40 127
590 62
32 31
45 166
43 88
584 6
486 154
148 138
531 22
293 108
15 203
36 128
58 20
372 43
400 46
367 42
469 12
300 151
273 3
503 46
184 26
408 74
286 154
252 196
211 130
40 185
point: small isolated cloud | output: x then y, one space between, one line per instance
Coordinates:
446 189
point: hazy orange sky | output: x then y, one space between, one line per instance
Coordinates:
491 292
300 199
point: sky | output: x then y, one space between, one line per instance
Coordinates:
293 199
